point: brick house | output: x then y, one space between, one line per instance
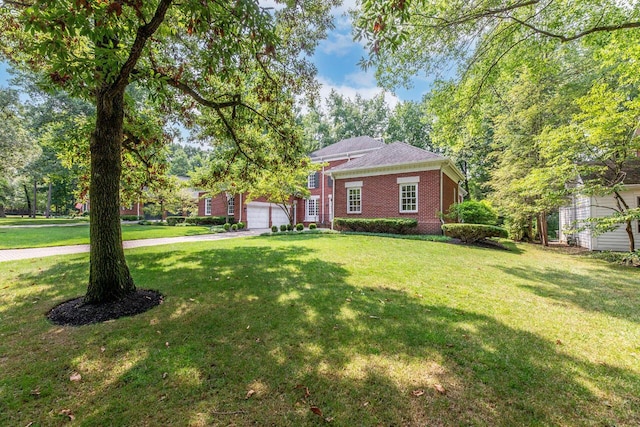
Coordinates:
397 181
365 178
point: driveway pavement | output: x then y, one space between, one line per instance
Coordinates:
17 254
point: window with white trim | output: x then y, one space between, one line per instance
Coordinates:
207 206
312 209
311 180
231 205
354 200
409 197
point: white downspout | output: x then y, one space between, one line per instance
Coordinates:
241 208
333 200
441 194
322 189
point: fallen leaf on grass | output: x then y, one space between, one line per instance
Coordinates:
558 342
440 389
250 393
166 344
68 413
417 393
75 377
164 375
35 392
316 410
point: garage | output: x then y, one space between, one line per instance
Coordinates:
278 216
258 215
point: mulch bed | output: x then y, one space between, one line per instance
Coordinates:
76 312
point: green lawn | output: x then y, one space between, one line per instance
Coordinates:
17 220
258 331
13 238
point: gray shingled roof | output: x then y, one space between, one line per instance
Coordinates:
349 145
397 153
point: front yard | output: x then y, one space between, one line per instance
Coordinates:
37 237
315 329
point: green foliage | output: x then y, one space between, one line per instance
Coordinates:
630 259
299 227
234 227
289 227
473 212
174 220
283 227
131 217
312 226
470 233
226 226
206 220
274 228
377 225
241 225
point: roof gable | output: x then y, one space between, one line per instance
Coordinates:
349 145
394 154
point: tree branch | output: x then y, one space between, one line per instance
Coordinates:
143 34
565 39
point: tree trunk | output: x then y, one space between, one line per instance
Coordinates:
109 276
542 228
49 201
2 214
632 242
35 197
26 193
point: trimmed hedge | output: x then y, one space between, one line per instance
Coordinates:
470 233
197 220
377 225
131 217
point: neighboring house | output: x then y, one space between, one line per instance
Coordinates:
582 207
317 208
397 181
359 177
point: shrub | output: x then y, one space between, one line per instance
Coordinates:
130 218
173 220
283 227
145 222
377 225
289 227
472 212
312 226
226 226
299 227
274 228
206 220
234 227
240 225
470 233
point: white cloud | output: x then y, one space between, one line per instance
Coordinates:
337 44
366 92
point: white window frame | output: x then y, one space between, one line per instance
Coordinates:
231 206
207 206
311 181
308 214
350 207
402 192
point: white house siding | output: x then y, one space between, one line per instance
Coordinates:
579 209
616 240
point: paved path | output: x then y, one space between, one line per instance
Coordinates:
17 254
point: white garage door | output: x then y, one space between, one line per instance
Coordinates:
257 215
278 216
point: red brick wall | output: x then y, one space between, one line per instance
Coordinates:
218 204
328 191
381 199
134 209
448 196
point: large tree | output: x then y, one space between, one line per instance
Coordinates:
234 64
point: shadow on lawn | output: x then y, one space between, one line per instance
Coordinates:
597 290
289 327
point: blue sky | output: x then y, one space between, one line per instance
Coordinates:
337 61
